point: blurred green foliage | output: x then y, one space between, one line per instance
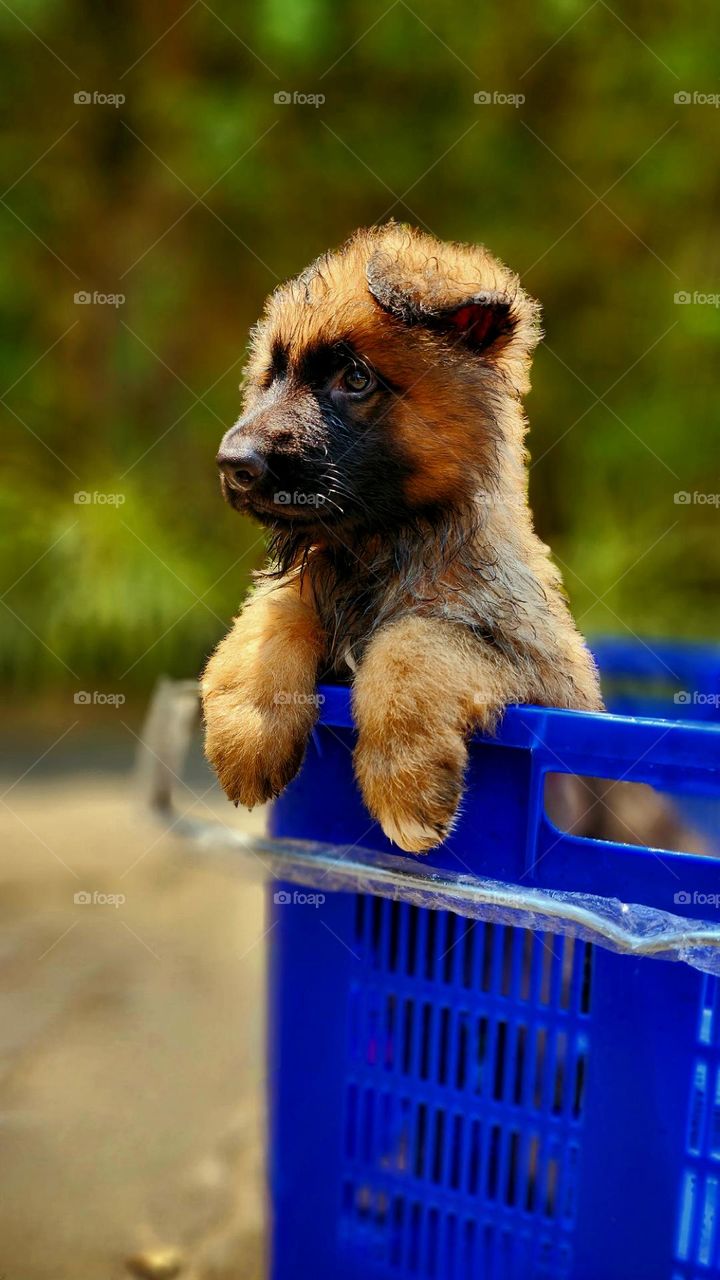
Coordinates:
199 192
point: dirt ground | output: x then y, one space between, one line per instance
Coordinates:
131 1042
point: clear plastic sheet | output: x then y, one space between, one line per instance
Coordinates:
627 928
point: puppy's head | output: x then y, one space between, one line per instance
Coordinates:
383 383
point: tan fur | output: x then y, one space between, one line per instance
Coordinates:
259 694
466 611
422 687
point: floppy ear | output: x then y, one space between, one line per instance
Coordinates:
479 320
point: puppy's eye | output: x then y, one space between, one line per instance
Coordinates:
357 379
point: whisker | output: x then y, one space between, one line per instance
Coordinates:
334 504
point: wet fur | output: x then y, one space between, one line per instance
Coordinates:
418 576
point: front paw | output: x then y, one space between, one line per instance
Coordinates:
413 788
255 750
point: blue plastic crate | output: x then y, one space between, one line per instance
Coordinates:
461 1100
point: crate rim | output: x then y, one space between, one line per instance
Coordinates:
634 748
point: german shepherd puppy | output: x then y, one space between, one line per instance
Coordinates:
382 444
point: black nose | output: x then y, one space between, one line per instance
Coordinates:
241 466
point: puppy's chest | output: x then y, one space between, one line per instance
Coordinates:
354 601
348 626
349 608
